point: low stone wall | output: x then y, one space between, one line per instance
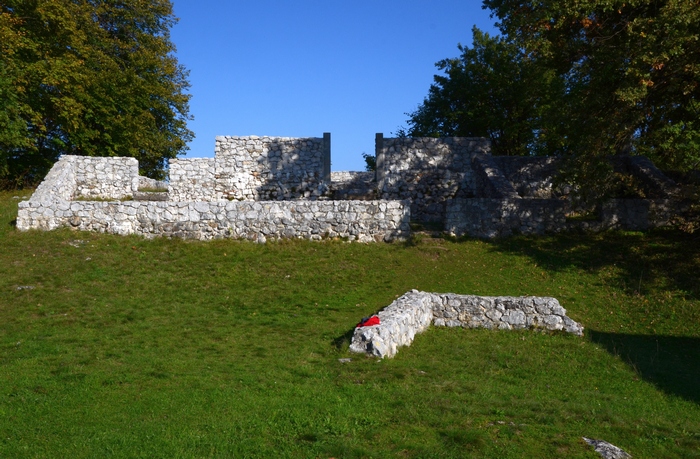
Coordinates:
85 177
344 177
413 312
653 179
427 171
59 183
146 183
364 221
491 218
399 323
637 214
502 313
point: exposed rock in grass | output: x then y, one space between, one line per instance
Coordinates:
607 450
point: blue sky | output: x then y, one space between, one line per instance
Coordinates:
302 68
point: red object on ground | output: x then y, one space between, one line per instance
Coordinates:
368 322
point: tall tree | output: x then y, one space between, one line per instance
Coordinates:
492 90
89 77
632 72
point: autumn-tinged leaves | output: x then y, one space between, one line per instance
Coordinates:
632 70
581 79
92 78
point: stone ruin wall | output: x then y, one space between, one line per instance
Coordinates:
531 177
353 185
113 179
192 179
427 171
415 311
255 169
453 181
54 205
85 177
517 195
272 168
363 221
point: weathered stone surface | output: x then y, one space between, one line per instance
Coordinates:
362 221
150 196
607 450
253 168
348 185
453 181
427 171
413 312
399 323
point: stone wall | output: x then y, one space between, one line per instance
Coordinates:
516 195
58 185
255 169
272 168
491 218
85 177
364 221
192 179
146 183
191 207
656 183
452 181
353 185
107 178
427 171
530 177
639 214
413 313
490 180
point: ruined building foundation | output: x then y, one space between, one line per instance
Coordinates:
269 188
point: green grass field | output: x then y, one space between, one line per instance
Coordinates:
125 347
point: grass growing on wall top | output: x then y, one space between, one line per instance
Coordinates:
126 347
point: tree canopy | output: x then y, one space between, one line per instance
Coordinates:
578 78
88 77
492 90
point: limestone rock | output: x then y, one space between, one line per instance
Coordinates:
413 312
607 450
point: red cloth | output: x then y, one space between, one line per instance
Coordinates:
374 320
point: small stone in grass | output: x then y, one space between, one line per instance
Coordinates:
607 450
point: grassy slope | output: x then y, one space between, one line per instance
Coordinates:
168 348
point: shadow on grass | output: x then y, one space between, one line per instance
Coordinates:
343 341
670 363
662 259
13 223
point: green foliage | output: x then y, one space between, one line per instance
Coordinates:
631 70
492 90
128 347
370 162
582 79
95 78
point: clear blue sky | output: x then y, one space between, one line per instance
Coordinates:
302 68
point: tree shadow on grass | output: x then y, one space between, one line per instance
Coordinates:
670 363
659 260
